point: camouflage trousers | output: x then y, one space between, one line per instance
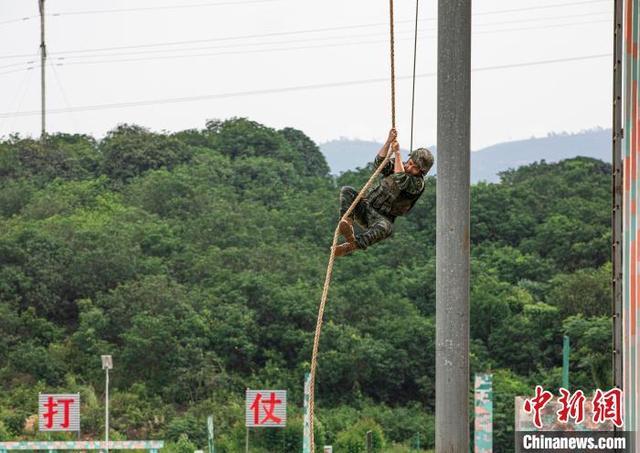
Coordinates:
376 226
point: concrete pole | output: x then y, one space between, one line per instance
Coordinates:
453 224
617 198
43 60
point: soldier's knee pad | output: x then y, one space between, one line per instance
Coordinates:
388 227
385 226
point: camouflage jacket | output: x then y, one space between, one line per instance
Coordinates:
395 193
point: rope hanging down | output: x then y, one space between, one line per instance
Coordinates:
392 44
413 89
327 280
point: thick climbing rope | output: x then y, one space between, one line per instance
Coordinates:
393 64
413 89
327 280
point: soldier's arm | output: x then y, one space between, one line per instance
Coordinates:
388 168
383 151
390 139
398 167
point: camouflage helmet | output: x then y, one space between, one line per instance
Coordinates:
423 158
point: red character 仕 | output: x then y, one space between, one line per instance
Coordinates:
572 406
269 407
538 403
608 406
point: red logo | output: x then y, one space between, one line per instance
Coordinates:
608 406
572 406
538 403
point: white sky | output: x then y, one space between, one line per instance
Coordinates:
510 103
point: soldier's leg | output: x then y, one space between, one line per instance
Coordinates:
347 195
359 213
379 228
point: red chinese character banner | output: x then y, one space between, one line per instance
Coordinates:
59 412
266 408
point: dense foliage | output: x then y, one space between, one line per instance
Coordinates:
197 259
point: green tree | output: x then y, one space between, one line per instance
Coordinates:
60 156
312 162
352 440
129 151
585 292
506 386
590 351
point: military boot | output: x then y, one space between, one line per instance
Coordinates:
345 227
345 248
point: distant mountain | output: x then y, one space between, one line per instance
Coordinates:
486 163
346 154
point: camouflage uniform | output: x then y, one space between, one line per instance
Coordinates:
391 196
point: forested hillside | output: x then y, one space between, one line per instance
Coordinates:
197 260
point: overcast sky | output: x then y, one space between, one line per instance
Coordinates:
253 58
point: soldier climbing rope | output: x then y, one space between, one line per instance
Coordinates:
345 216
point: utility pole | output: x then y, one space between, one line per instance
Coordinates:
452 226
43 59
617 199
106 411
107 364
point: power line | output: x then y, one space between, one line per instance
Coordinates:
238 2
532 8
289 48
296 32
223 46
21 19
211 54
103 59
321 38
291 88
23 87
197 41
158 8
64 95
538 19
16 70
141 9
485 32
22 63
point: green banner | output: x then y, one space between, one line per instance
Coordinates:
483 413
212 447
306 434
565 362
